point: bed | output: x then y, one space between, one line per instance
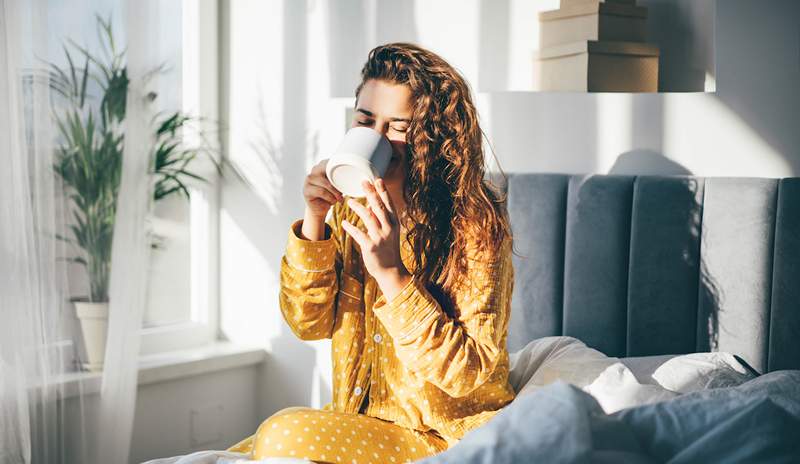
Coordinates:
649 268
639 267
648 265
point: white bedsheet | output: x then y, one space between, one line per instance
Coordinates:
222 457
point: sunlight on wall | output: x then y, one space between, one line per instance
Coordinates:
458 41
326 115
292 73
524 32
710 83
704 135
255 95
614 128
199 225
249 305
190 83
248 299
318 80
323 374
281 121
248 281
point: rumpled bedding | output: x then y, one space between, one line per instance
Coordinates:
575 404
222 457
757 421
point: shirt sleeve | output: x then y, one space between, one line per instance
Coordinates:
457 354
309 280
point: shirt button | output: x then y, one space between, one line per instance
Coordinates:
377 338
357 391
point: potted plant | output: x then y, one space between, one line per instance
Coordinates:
89 163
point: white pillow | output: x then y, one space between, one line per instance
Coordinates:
643 367
612 384
618 383
700 371
547 359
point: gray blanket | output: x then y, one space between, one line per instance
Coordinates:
758 421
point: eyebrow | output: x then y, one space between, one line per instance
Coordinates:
369 113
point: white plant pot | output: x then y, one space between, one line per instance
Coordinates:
94 325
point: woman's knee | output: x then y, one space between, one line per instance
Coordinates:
284 432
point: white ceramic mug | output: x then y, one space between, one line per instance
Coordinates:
363 154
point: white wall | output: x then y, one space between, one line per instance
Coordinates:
176 417
293 65
747 128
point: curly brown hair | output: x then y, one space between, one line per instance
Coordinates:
455 214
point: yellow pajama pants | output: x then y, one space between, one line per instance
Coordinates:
337 437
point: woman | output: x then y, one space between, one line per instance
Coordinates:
419 351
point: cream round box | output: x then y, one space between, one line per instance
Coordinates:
364 153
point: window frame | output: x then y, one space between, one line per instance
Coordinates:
199 87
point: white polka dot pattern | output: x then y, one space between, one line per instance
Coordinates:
410 361
351 438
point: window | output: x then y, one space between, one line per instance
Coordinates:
182 309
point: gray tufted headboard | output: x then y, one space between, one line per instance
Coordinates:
647 265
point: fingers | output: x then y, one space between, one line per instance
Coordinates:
377 206
384 195
321 192
366 215
327 186
319 177
358 235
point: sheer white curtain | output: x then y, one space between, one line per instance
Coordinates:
31 299
130 254
36 316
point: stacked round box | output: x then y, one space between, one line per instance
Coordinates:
596 46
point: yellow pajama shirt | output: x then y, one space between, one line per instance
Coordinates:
420 368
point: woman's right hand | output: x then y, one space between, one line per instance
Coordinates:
318 191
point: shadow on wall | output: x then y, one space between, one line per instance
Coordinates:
494 47
291 364
647 162
708 303
289 376
684 208
255 220
528 131
756 73
759 71
395 21
354 28
756 108
684 31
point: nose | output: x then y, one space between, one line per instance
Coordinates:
382 128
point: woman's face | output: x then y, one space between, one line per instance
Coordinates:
386 107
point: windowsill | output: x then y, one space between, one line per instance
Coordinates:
172 365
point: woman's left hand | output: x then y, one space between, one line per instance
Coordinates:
380 244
